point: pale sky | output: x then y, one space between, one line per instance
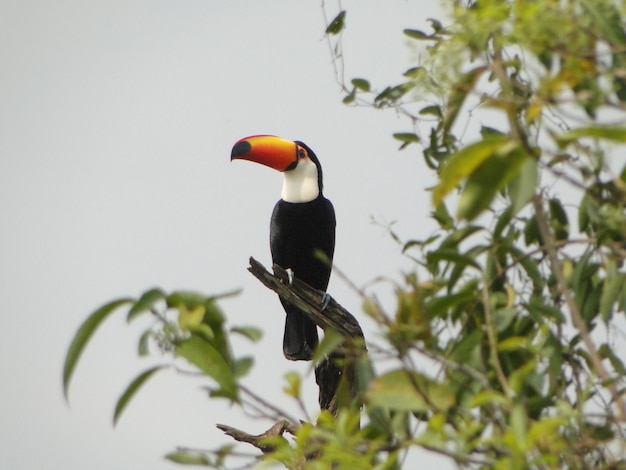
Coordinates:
116 122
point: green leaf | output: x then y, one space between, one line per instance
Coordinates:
142 347
523 185
439 306
457 97
488 397
329 343
145 303
350 97
206 358
294 384
416 34
435 24
82 337
558 219
188 457
361 84
401 390
512 343
190 300
252 333
242 366
131 390
189 318
611 133
611 289
433 110
607 353
337 24
519 423
462 163
407 138
483 184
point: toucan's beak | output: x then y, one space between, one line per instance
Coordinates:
268 150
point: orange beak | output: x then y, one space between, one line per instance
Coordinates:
268 150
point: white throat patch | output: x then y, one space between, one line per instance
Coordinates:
300 184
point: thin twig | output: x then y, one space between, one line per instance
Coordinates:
493 346
576 316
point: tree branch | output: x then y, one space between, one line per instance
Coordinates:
308 299
259 440
336 374
576 316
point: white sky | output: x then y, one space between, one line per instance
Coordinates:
116 122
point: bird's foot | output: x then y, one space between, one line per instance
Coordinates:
290 276
325 299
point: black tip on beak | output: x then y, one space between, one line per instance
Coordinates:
240 149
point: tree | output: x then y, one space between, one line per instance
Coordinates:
519 309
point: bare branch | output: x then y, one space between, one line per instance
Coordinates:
259 440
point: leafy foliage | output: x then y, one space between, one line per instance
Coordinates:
517 300
196 334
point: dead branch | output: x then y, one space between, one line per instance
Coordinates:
308 299
336 374
259 440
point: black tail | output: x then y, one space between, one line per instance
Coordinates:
300 338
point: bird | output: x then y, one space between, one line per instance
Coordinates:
302 228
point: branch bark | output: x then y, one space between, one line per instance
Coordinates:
576 315
336 374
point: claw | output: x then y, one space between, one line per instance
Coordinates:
325 300
290 275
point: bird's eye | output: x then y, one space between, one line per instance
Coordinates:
301 153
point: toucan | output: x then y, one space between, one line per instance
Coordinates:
302 228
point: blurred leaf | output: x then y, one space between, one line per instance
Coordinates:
512 343
392 94
433 110
523 185
416 34
458 94
611 288
614 134
461 164
329 343
401 390
189 299
532 235
349 98
190 318
142 347
443 217
487 397
252 333
435 24
189 457
607 353
206 358
82 337
519 425
439 306
407 138
361 84
558 219
486 180
242 366
294 384
130 391
337 24
145 303
539 309
467 350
